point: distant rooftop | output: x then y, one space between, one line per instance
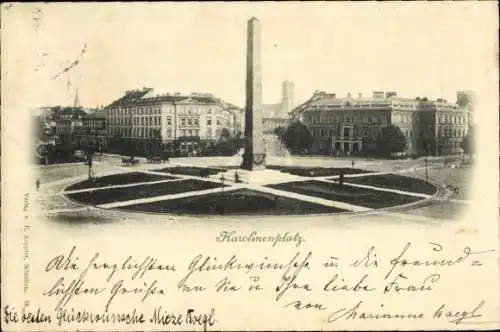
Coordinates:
147 96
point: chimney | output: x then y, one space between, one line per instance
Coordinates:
349 95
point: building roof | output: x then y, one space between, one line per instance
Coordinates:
324 100
97 114
146 97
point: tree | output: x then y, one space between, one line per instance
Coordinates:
297 137
390 140
467 143
280 132
225 134
226 145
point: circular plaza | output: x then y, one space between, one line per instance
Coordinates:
225 189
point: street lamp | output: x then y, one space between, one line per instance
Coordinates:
426 165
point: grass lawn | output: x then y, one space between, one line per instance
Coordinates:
317 171
142 191
393 181
125 178
356 196
192 170
238 202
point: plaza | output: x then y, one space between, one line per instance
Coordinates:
394 190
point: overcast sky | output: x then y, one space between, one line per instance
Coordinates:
416 49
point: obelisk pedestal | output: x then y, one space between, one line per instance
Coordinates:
254 156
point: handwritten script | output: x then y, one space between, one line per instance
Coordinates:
327 285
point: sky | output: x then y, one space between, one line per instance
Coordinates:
415 49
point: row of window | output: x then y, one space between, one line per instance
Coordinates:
135 111
452 144
156 121
451 132
146 121
150 110
401 118
190 121
353 132
319 119
347 132
455 119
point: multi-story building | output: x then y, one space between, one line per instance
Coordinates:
92 133
152 122
66 126
351 125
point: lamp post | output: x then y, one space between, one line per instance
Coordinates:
426 165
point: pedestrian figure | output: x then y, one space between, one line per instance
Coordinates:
37 184
353 164
236 177
222 181
341 179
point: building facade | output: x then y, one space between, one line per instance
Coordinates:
65 128
92 134
151 122
345 126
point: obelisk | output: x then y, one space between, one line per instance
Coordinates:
254 155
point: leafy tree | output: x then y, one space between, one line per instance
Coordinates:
225 134
390 140
280 132
226 144
467 143
297 137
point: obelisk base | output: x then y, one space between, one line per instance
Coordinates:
254 161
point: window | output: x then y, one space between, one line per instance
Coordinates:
169 121
183 122
189 122
209 123
218 122
196 122
169 132
209 132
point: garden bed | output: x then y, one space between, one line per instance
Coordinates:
141 191
116 179
238 202
344 193
394 181
318 171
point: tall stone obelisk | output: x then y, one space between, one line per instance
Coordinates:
254 155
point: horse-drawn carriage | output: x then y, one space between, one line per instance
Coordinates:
158 159
130 161
154 159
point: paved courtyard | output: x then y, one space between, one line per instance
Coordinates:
143 188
